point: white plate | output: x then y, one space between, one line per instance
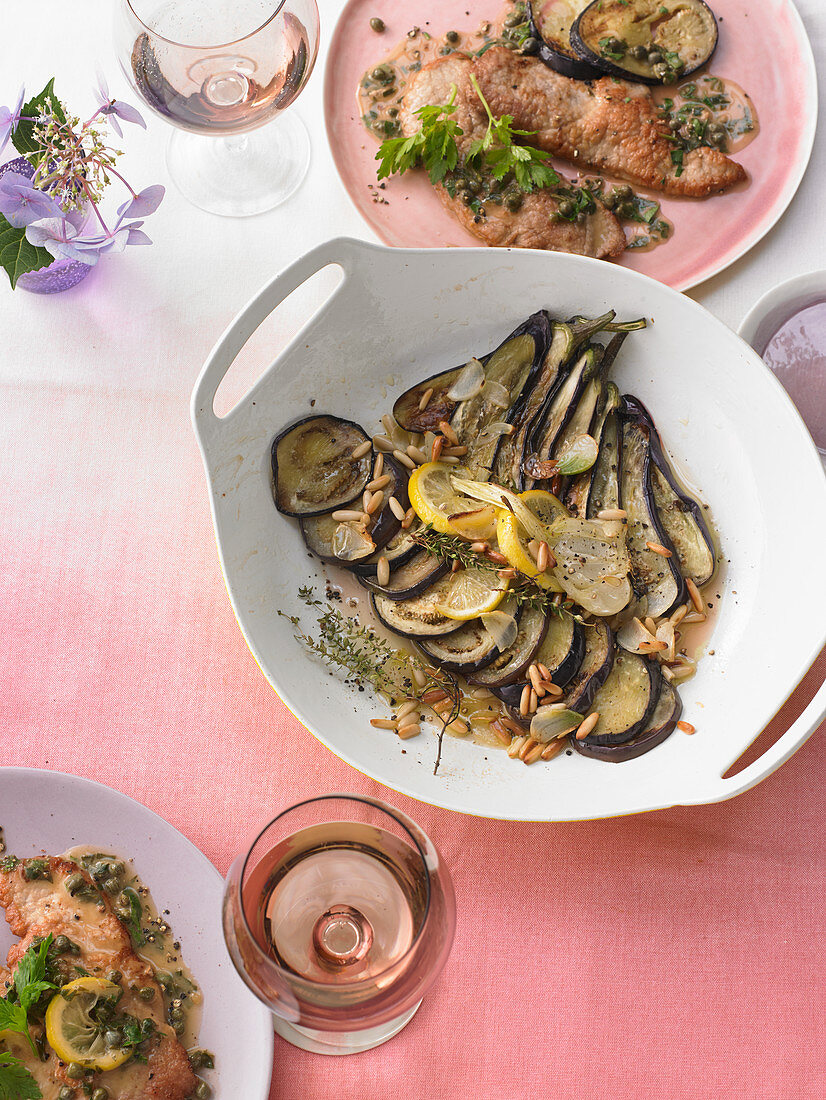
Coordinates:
406 314
43 811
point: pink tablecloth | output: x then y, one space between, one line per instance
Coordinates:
677 954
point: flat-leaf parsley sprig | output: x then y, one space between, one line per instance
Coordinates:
499 152
433 145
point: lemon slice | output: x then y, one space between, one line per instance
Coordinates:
513 542
72 1031
470 593
434 500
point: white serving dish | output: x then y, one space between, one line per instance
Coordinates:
723 416
45 811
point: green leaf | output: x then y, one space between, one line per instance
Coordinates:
12 1017
29 977
23 137
17 256
16 1083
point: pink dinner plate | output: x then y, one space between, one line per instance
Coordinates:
763 47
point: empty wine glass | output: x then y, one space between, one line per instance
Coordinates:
339 917
218 72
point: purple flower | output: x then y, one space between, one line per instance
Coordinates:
59 238
21 204
116 108
144 203
9 120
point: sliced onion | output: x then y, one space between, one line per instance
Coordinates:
554 720
351 543
469 381
501 627
497 394
491 493
477 525
577 456
495 429
665 633
635 637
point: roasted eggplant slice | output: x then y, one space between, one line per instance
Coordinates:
321 535
412 418
550 22
660 725
558 410
655 574
595 667
413 618
681 515
604 491
626 700
646 40
510 666
468 649
401 548
581 491
561 651
313 469
411 579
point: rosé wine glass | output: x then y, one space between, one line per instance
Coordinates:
339 917
218 72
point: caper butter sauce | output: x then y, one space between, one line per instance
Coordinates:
155 943
709 110
380 95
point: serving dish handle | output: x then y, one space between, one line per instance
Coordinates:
342 251
796 735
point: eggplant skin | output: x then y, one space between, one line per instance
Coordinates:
595 668
311 482
622 734
471 634
662 724
555 55
410 579
617 15
512 670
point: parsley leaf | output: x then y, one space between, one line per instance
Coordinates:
12 1017
434 145
16 1083
501 155
29 983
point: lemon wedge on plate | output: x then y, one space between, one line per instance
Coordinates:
434 500
72 1031
469 593
513 542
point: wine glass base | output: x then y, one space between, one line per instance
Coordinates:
342 1042
242 175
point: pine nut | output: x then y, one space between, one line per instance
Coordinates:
448 433
535 753
405 460
552 689
506 574
436 449
424 400
686 727
479 547
695 617
679 614
455 452
666 671
658 548
366 497
536 680
417 455
412 729
525 701
407 708
516 745
501 733
396 508
495 556
585 727
612 513
509 724
650 625
449 460
378 465
383 571
456 567
362 449
409 516
460 726
379 483
346 515
382 443
435 695
419 677
552 749
383 723
533 549
533 702
694 593
544 670
530 743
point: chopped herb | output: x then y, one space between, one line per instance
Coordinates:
433 146
677 161
29 984
16 1083
501 155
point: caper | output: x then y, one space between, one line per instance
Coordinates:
75 1070
530 45
66 1093
566 208
176 1014
34 869
622 191
201 1059
639 53
61 944
377 24
382 74
147 1026
113 1038
147 993
661 71
74 882
392 111
513 19
202 1091
452 37
114 976
513 203
609 200
100 1093
111 885
626 210
655 57
100 871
